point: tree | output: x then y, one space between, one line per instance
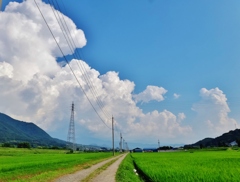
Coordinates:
6 145
238 142
23 145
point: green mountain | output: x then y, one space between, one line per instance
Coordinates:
14 131
220 141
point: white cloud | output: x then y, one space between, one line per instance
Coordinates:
35 88
6 69
151 93
157 124
26 42
212 113
181 117
176 96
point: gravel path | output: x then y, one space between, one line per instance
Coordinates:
80 175
109 174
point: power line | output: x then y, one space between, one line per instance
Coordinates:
71 44
69 64
77 54
64 28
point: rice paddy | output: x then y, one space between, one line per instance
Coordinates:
219 166
42 165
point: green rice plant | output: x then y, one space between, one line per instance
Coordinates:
26 164
185 166
126 171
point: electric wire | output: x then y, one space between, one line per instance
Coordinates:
80 55
69 64
71 43
77 55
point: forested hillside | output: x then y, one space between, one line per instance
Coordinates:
221 141
14 131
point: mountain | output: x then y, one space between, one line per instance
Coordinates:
14 131
222 140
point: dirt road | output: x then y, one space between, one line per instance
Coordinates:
80 175
109 174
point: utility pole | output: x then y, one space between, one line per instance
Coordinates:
127 149
113 135
120 142
123 145
158 144
71 131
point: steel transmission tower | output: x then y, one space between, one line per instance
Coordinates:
71 131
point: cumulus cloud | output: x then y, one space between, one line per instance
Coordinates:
151 93
35 88
157 124
6 69
212 112
26 42
176 96
181 116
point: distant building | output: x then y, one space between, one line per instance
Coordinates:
103 149
150 150
137 150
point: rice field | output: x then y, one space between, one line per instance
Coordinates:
207 166
41 164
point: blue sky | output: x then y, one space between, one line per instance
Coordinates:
188 48
179 45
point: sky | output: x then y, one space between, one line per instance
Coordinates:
165 70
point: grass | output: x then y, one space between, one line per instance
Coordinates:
208 166
125 172
41 164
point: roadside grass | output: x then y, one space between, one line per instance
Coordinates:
207 166
43 165
125 172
